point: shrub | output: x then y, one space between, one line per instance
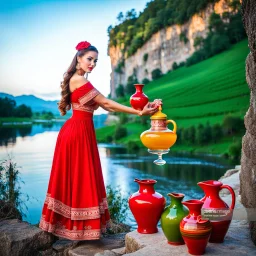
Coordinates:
183 37
156 73
120 91
145 81
13 204
217 132
232 124
120 132
235 151
132 146
117 205
145 57
219 43
174 65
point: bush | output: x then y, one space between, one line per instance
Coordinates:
183 37
156 73
145 57
217 132
145 81
232 124
120 132
235 151
219 43
123 118
13 204
132 146
120 91
117 205
174 65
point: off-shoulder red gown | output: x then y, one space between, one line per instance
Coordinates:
76 206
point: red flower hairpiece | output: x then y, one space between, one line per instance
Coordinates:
83 45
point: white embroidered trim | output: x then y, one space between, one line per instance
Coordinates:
76 213
60 230
88 96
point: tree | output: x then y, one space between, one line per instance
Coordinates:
120 17
198 42
156 73
130 89
219 43
120 132
216 24
7 107
217 132
120 91
23 111
131 14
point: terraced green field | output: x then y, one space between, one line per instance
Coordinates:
204 92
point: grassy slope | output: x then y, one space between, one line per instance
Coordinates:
204 92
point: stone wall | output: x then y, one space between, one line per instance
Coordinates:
163 48
248 161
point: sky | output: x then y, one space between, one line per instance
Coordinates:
38 40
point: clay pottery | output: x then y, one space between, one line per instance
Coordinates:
138 100
158 139
214 208
171 218
146 206
195 230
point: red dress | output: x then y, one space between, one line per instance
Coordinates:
76 206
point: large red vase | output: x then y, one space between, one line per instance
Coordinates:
214 208
146 206
195 230
138 100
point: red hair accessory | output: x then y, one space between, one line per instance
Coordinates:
83 45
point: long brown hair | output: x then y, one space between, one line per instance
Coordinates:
64 105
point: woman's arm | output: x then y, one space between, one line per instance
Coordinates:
113 106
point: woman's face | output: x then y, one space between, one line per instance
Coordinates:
88 61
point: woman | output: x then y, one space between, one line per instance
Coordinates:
76 207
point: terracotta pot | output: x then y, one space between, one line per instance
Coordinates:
146 206
171 218
195 230
214 208
138 100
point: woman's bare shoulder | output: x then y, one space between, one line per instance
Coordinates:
77 81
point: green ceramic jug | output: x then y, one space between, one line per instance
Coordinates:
171 218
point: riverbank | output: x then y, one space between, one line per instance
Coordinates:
237 241
132 142
21 238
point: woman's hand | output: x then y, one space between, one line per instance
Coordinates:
149 109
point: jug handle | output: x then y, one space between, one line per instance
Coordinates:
232 194
174 125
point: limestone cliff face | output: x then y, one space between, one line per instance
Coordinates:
164 48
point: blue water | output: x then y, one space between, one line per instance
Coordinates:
32 149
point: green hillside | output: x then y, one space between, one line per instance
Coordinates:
204 92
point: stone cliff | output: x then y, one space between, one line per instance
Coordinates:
163 48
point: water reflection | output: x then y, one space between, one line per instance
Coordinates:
33 149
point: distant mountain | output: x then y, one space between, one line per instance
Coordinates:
36 104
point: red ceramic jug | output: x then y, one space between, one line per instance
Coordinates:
214 208
138 100
195 230
146 206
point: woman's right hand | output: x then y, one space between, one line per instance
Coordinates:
149 109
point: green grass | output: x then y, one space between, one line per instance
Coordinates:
204 92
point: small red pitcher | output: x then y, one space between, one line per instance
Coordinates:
216 210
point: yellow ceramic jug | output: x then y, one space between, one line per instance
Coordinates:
158 139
